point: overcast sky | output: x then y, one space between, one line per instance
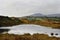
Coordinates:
28 7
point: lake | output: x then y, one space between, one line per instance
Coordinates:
31 28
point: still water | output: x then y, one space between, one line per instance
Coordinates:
31 28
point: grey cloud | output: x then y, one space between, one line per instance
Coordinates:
27 7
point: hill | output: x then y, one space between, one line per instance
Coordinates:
49 15
53 15
9 21
37 15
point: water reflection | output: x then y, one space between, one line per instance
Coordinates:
4 30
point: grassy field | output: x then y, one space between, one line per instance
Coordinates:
43 21
27 37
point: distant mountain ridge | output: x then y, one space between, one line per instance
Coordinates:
49 15
37 14
53 15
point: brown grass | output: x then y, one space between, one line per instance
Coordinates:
26 37
45 22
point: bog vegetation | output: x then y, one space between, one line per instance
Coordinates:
53 22
27 37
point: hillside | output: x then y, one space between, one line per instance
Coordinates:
9 21
51 20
